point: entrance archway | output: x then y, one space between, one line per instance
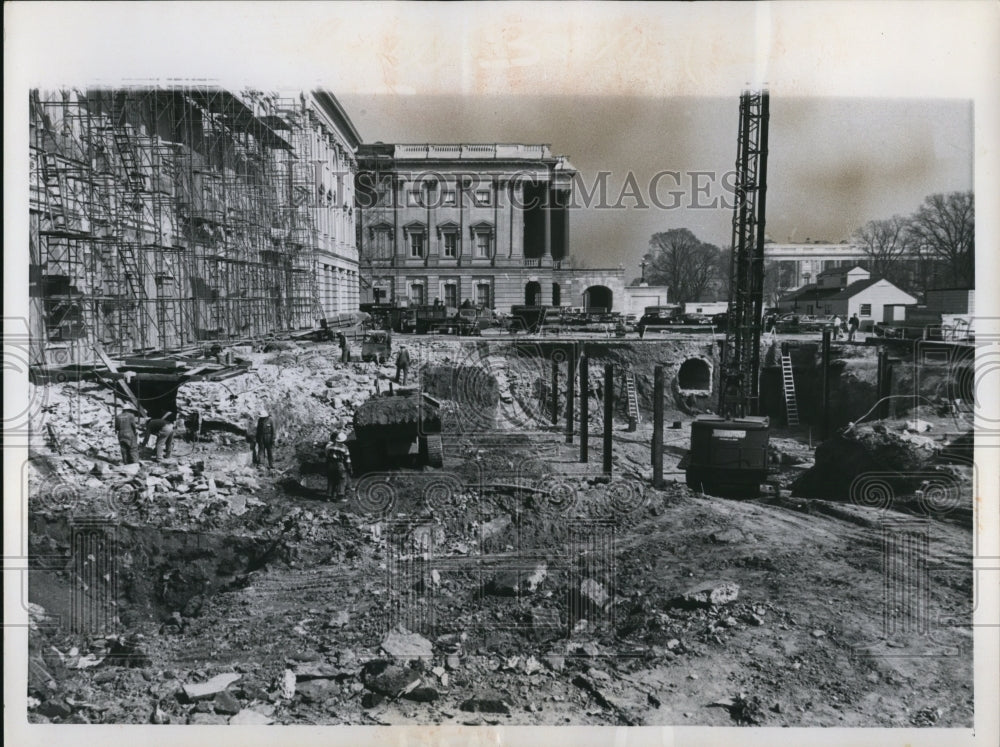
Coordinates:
533 293
598 297
694 373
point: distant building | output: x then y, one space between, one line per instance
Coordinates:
488 223
706 307
846 291
951 300
638 297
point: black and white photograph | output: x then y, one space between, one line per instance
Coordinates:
438 369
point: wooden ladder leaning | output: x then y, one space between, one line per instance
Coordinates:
632 400
788 380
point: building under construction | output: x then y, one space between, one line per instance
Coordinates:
164 219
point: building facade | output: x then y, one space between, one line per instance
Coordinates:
161 218
487 223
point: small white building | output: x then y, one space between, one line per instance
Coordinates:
868 299
638 297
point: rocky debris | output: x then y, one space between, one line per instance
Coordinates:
487 702
593 594
555 662
391 680
317 690
403 645
195 691
546 623
226 702
730 536
708 594
424 694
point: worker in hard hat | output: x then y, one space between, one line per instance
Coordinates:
338 467
163 429
126 427
264 440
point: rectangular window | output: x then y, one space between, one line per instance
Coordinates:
416 245
450 244
865 309
384 197
483 244
415 198
451 295
483 197
382 248
448 198
417 295
483 295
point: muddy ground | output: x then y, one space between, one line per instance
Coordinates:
514 586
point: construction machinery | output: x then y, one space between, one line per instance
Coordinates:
728 454
376 346
400 428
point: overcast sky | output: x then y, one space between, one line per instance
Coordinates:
834 163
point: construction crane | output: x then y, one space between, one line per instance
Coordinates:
728 454
739 391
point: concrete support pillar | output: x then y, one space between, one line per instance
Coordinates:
609 410
657 455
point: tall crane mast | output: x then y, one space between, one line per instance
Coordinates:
739 391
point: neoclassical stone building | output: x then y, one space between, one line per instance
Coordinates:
488 223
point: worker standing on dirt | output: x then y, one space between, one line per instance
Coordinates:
345 351
264 440
402 364
128 438
852 327
338 467
836 326
163 429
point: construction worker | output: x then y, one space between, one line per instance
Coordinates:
163 429
128 438
852 327
402 364
264 440
345 351
338 466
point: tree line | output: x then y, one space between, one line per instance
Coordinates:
934 247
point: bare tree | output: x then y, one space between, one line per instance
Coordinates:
682 262
885 242
945 227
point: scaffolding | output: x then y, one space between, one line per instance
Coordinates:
161 218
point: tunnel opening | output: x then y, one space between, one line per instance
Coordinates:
694 375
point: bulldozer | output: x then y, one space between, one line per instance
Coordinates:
400 428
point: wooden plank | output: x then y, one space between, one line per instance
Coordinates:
130 395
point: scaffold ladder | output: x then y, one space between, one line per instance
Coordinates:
788 380
53 184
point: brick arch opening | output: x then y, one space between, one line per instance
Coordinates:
694 374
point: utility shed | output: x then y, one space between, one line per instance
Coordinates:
868 299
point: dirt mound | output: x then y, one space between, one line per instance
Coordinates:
865 454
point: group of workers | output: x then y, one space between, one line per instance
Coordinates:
127 428
336 453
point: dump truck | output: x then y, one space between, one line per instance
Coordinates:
400 428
